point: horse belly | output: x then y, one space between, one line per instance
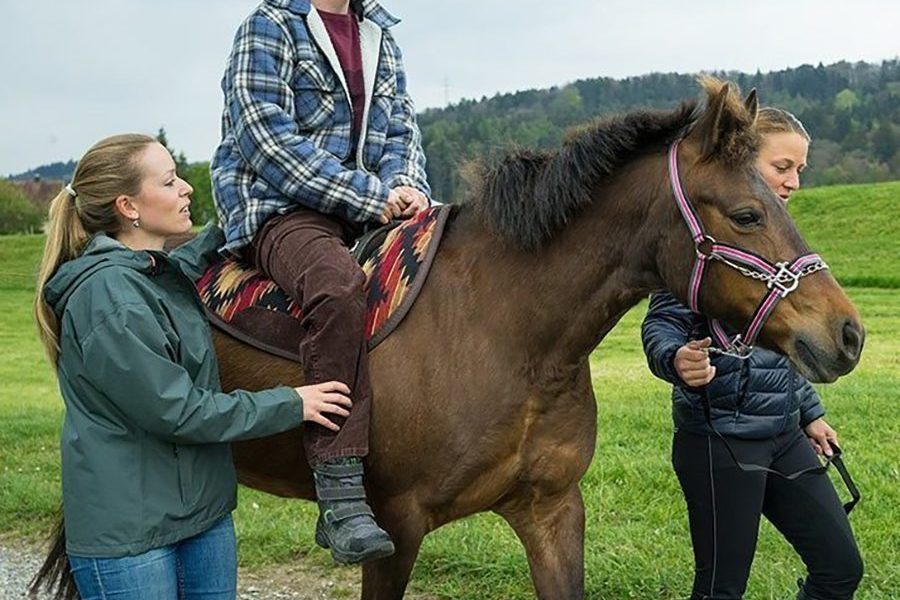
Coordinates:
275 464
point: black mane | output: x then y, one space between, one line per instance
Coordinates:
529 195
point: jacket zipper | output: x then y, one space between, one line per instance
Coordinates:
790 398
178 472
742 394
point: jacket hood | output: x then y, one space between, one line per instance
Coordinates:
101 252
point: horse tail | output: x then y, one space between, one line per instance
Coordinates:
55 575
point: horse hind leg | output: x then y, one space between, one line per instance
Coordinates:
387 578
552 531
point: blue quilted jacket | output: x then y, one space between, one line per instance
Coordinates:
756 398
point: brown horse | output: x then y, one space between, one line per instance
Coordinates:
483 394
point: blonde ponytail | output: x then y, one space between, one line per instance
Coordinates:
66 238
111 168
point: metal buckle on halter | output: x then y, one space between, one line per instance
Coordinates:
736 349
707 239
785 280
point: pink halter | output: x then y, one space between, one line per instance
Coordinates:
781 278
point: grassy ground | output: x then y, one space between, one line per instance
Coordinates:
855 228
637 539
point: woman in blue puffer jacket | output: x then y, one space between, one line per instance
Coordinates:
770 415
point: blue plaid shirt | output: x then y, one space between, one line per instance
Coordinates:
287 123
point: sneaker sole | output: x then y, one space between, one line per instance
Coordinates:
352 558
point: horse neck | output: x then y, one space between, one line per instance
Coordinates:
566 297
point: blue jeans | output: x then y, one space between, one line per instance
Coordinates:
201 567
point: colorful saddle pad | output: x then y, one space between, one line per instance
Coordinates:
247 305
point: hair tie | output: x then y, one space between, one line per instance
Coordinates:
71 191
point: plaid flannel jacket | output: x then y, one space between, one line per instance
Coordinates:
287 122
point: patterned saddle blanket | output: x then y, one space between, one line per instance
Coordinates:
247 305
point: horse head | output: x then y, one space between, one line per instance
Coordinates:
743 260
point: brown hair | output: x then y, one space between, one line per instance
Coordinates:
775 120
83 208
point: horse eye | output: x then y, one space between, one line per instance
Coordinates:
746 218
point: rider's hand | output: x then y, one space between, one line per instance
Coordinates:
325 398
415 200
692 363
394 207
821 436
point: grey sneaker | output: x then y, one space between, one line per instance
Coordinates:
346 524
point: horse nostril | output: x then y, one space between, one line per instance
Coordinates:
852 338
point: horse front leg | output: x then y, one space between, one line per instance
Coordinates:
387 578
552 531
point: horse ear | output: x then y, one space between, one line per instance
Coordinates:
752 105
724 118
712 126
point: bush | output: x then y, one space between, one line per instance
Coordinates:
17 213
202 208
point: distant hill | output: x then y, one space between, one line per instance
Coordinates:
852 111
55 171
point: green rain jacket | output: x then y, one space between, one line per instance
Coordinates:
145 454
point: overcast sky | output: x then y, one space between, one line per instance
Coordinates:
76 71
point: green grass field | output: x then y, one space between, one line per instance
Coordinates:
855 228
637 539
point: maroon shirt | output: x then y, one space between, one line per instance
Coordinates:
344 33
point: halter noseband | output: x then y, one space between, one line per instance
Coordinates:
781 278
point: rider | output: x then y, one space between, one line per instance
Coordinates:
767 412
319 140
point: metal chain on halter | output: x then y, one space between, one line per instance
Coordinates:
783 275
736 349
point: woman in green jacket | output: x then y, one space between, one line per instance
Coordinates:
147 477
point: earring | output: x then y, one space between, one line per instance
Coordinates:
136 223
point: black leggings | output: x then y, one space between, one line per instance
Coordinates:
725 503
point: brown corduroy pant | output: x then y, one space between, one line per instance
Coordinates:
306 254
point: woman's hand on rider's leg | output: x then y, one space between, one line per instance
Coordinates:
325 398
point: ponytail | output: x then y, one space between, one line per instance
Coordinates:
66 238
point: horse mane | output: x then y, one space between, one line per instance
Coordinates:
528 195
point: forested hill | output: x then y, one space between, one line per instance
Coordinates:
852 112
58 170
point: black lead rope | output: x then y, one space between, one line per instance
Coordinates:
838 463
834 459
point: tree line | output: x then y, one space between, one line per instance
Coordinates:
852 111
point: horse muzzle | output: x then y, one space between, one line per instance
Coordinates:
826 360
